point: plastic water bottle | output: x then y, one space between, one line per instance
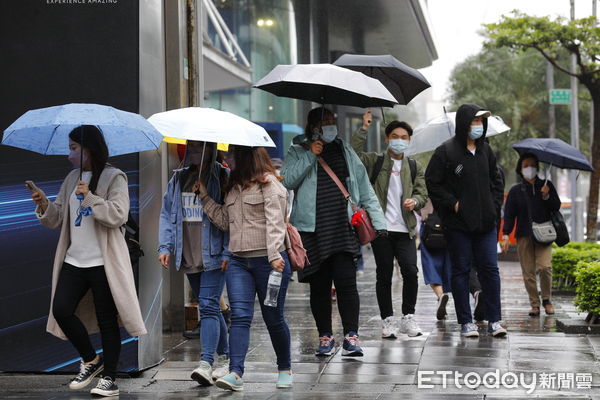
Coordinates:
273 287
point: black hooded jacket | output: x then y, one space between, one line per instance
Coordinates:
454 174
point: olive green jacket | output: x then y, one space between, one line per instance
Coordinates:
416 191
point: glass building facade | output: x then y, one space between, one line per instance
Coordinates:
266 32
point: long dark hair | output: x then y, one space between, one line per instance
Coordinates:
90 137
251 166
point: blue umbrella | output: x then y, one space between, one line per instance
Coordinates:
554 152
46 130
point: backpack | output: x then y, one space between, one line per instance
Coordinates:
433 234
379 163
131 231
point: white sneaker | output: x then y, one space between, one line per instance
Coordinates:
409 325
221 367
390 330
203 374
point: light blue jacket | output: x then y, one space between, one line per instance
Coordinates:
300 175
170 231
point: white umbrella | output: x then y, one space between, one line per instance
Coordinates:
429 135
326 84
210 125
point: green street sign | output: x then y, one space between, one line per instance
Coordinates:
560 96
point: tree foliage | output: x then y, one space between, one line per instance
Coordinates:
581 38
513 87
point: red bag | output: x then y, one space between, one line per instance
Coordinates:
295 249
363 226
360 219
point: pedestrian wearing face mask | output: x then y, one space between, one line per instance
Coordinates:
322 215
467 191
399 184
541 198
92 278
199 249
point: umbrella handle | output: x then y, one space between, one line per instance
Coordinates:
447 121
549 170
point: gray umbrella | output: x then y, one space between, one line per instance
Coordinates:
326 84
401 80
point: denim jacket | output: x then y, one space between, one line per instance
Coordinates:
215 242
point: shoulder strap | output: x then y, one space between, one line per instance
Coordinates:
526 197
376 169
333 176
413 169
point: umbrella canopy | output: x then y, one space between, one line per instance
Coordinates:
326 84
46 130
555 152
210 125
403 82
431 134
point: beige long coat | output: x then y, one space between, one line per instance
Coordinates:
110 208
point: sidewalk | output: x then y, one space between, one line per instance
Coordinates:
389 368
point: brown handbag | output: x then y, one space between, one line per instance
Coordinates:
295 249
360 219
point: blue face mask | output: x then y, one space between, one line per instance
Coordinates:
329 133
398 146
476 132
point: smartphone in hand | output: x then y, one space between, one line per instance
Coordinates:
31 186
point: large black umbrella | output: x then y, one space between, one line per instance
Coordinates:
401 80
554 152
326 84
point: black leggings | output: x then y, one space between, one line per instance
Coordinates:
340 269
73 284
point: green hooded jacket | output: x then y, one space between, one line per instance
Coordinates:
416 191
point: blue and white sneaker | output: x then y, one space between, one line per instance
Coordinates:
230 382
496 329
469 330
326 345
351 347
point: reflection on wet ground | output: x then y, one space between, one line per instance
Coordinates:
561 364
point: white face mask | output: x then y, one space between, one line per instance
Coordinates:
529 172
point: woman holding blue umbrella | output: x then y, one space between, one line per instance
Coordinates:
92 281
531 202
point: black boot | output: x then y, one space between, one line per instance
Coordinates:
194 333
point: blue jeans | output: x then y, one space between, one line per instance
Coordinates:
247 277
208 286
479 249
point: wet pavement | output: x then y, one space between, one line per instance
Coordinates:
562 365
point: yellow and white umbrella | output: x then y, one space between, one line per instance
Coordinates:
210 125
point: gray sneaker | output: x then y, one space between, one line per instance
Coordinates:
496 329
203 374
469 330
221 367
409 325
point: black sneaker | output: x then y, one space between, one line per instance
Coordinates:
194 333
87 372
106 387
